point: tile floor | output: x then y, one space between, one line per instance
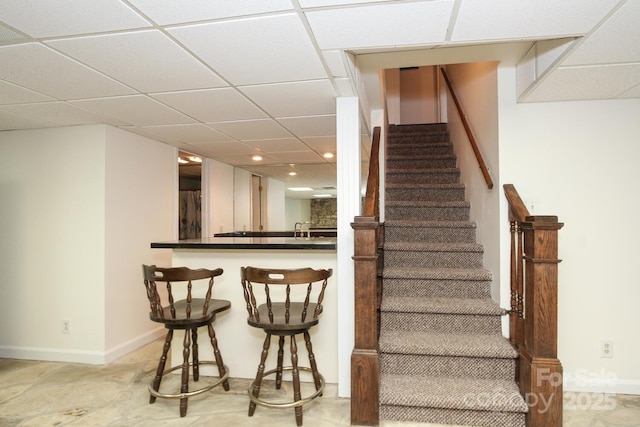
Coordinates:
34 393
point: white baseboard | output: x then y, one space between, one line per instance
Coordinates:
602 385
79 356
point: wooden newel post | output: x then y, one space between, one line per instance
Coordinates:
541 371
365 364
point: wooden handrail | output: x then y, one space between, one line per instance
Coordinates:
534 310
365 358
372 198
467 128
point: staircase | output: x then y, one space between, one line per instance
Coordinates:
443 358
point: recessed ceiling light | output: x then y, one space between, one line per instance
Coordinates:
328 155
182 160
196 159
300 189
292 173
322 196
256 158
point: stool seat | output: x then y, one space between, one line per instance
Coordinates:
188 313
284 309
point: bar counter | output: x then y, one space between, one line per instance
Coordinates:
251 242
239 343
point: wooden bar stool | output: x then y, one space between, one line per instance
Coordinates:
189 314
282 311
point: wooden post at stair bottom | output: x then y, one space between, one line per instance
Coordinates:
541 371
365 359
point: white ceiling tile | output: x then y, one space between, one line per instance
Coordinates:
212 105
39 68
228 148
249 51
165 12
294 99
603 82
615 42
146 60
334 61
499 19
277 145
60 113
310 126
322 3
299 157
137 110
322 144
12 94
345 87
10 121
191 133
59 18
404 24
252 129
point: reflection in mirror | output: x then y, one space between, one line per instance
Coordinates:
189 196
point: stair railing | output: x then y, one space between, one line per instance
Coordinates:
467 129
533 318
365 358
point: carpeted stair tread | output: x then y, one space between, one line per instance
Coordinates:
466 306
433 247
422 170
439 344
441 186
436 273
453 393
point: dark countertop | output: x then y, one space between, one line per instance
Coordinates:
261 243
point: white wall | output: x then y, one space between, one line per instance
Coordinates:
72 241
476 86
242 200
140 202
296 210
275 205
218 179
580 161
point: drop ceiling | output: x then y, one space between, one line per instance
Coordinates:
228 79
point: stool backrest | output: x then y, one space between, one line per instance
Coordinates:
271 278
183 277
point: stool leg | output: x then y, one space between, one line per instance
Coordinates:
279 366
216 352
312 361
196 360
296 379
258 381
184 388
161 364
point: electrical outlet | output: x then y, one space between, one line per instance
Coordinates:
606 348
66 326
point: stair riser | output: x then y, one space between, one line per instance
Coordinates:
435 177
452 416
437 288
418 138
421 128
420 150
441 194
413 163
429 234
440 323
441 366
412 213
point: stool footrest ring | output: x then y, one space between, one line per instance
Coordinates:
157 393
292 404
